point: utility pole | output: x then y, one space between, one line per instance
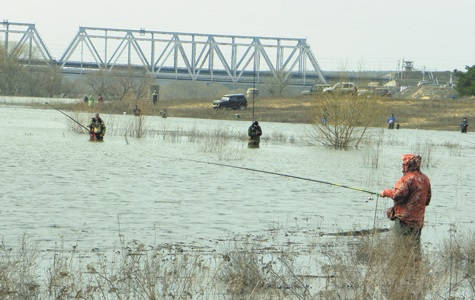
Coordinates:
6 38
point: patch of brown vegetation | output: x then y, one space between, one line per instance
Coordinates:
422 114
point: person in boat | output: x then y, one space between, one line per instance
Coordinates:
411 194
254 132
97 128
464 125
391 120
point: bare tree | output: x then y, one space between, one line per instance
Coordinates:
341 121
277 84
131 83
101 83
17 79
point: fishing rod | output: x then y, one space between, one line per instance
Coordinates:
375 230
82 126
280 174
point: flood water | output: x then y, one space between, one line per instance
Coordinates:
58 188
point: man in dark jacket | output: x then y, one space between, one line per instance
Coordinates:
97 129
464 125
254 132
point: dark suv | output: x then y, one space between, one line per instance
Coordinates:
234 101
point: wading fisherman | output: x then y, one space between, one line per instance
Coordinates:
411 195
97 129
254 132
391 120
464 125
137 111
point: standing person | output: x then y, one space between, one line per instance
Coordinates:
464 125
137 111
254 132
154 97
391 120
91 101
324 120
411 195
97 129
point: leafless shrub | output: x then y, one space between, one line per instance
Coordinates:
372 154
18 269
454 149
381 268
424 150
139 128
75 127
458 260
235 152
275 85
345 121
249 271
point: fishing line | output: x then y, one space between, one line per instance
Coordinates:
82 126
291 176
277 174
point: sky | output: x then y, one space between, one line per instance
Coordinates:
343 35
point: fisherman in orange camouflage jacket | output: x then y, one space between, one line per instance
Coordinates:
411 195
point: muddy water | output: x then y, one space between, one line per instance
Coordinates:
57 187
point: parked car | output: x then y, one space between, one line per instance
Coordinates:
342 88
315 89
234 101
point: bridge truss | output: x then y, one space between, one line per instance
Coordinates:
172 55
193 56
22 41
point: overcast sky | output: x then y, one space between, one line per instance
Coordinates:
343 35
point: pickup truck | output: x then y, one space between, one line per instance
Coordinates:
342 88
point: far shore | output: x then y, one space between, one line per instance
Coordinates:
410 113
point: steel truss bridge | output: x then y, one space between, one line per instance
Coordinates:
172 55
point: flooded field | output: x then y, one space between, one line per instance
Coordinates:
61 190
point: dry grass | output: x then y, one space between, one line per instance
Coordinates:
372 268
248 271
422 114
392 268
18 272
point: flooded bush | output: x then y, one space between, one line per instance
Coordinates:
458 261
341 121
248 270
380 268
395 268
355 267
425 150
75 127
131 273
18 272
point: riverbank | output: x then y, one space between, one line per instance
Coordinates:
410 113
